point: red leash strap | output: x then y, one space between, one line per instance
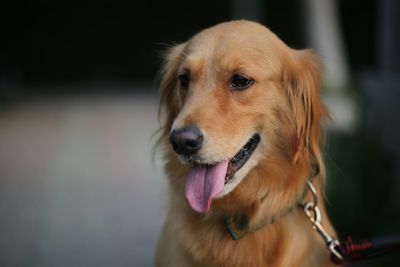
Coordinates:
354 251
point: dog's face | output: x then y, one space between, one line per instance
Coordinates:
236 96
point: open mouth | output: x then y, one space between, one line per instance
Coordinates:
205 181
241 157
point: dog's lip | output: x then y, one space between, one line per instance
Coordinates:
242 157
237 161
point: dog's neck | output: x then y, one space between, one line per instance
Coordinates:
239 224
204 228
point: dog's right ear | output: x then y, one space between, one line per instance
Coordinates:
302 77
168 107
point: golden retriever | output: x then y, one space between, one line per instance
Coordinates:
242 129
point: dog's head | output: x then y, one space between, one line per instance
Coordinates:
242 114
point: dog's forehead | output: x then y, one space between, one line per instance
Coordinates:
239 41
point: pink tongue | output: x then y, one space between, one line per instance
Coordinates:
203 183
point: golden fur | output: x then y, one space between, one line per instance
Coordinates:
284 107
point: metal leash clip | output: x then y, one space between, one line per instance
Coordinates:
314 214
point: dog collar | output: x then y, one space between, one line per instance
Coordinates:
238 224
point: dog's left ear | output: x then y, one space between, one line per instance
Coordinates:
301 80
167 85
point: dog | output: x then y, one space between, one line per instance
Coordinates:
242 129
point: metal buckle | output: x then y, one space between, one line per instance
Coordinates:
314 214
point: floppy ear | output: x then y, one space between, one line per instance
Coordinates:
302 79
167 87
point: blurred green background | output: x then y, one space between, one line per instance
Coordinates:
78 112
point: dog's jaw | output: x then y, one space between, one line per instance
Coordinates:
241 174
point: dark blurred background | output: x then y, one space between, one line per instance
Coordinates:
78 186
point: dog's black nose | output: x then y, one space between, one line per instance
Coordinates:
186 141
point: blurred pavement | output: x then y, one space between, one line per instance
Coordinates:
78 186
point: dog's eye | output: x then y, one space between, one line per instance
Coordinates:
240 82
184 80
